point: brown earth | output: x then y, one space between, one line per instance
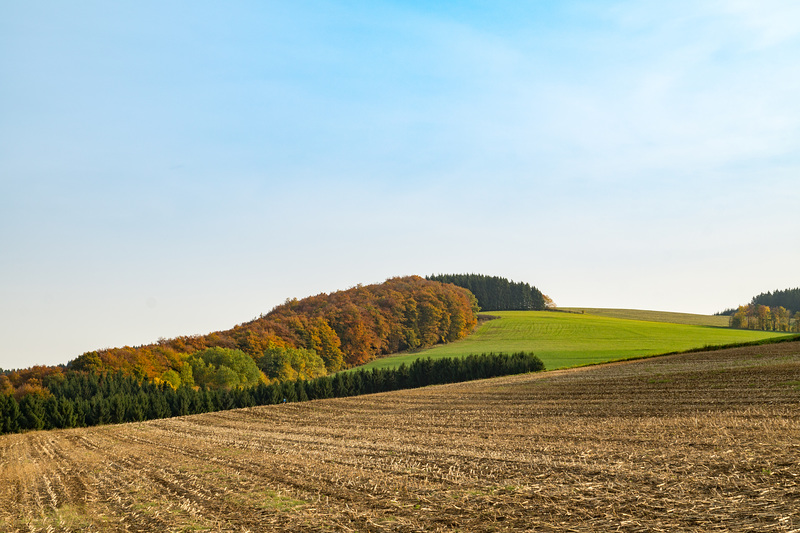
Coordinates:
697 442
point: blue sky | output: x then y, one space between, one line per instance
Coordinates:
177 168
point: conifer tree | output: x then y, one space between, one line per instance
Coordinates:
33 413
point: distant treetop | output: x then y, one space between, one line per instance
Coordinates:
789 299
498 294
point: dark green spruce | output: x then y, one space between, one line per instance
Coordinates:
495 293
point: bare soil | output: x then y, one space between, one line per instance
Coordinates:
696 442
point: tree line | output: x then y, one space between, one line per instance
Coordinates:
498 294
789 299
86 398
766 318
299 339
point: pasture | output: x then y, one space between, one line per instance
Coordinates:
690 319
694 442
563 340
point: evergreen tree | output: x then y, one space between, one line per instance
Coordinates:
137 407
69 416
322 388
276 394
53 418
99 412
356 383
789 299
226 400
289 391
10 414
262 394
300 386
495 293
32 410
117 406
341 385
244 398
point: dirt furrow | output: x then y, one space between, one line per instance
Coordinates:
701 442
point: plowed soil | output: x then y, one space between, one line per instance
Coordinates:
697 442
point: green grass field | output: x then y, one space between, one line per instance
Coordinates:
567 339
656 316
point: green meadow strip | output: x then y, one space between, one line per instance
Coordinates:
564 340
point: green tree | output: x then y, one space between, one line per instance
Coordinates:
99 410
10 415
289 364
88 362
173 378
186 376
117 407
32 409
224 368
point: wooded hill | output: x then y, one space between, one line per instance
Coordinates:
498 294
300 339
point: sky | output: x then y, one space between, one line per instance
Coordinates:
176 168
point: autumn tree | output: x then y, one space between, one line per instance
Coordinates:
780 319
6 388
739 318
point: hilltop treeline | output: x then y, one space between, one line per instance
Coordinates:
497 294
80 399
788 299
763 317
300 339
769 311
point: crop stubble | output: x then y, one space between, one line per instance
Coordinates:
696 442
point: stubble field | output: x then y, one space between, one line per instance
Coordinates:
695 442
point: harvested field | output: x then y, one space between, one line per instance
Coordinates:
694 442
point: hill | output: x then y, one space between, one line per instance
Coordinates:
568 339
327 332
695 443
688 319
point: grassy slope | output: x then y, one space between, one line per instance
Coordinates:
566 339
656 316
